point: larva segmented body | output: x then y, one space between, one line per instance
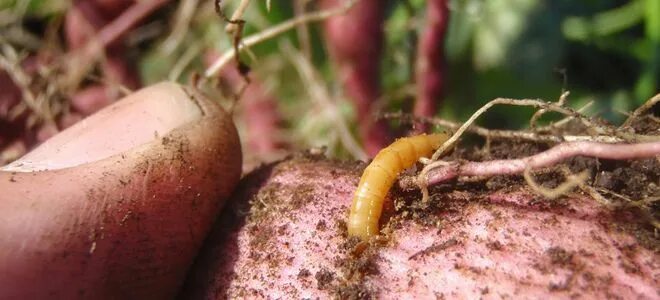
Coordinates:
379 176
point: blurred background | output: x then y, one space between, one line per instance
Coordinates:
308 87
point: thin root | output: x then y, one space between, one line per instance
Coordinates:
537 115
641 110
571 182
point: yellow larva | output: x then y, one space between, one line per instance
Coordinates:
379 176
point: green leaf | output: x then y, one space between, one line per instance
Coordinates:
652 16
646 86
500 25
40 8
604 23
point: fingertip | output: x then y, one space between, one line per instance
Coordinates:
120 222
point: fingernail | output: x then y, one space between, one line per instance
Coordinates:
138 118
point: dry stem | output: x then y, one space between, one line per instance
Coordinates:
275 31
437 171
186 58
537 115
182 20
81 61
600 130
565 187
640 110
320 94
238 13
40 104
528 135
299 7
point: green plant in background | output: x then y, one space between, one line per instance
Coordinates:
41 8
604 30
607 51
602 51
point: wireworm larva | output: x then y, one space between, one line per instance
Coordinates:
379 176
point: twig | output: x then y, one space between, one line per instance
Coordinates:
409 91
183 61
571 182
441 171
320 94
10 62
636 203
565 120
19 36
506 134
299 8
516 102
587 188
182 19
127 20
238 13
640 110
275 31
642 204
237 36
595 194
81 61
541 112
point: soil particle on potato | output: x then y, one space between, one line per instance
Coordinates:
561 286
495 246
634 221
324 278
277 200
321 225
559 256
356 261
277 192
435 248
358 258
362 265
627 259
294 161
354 292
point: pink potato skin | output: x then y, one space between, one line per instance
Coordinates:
291 244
